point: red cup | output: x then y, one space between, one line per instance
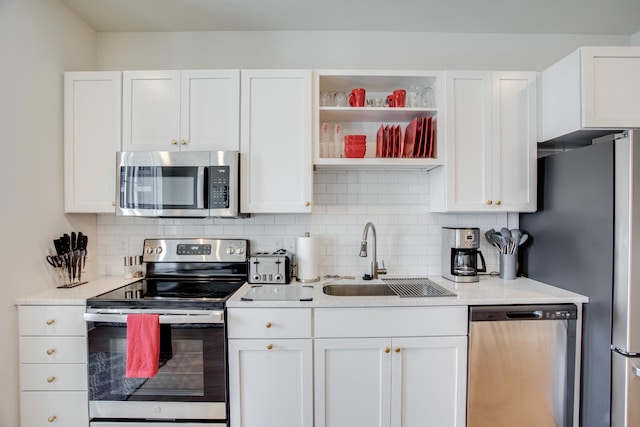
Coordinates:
399 97
390 101
357 97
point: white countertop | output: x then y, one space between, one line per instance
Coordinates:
74 296
489 291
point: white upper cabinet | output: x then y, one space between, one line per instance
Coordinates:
491 144
276 168
92 129
592 88
196 110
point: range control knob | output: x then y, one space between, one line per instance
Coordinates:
240 251
158 250
277 277
231 250
256 277
149 250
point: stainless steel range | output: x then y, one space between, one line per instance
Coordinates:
186 286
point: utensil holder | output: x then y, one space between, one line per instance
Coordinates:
508 266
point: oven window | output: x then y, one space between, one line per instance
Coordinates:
191 365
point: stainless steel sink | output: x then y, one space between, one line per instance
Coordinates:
357 290
401 287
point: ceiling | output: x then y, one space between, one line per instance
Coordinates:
597 17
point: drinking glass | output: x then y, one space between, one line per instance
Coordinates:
340 99
426 96
326 99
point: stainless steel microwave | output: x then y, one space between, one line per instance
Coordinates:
184 184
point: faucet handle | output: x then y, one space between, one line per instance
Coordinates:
382 270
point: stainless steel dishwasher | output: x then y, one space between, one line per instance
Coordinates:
521 365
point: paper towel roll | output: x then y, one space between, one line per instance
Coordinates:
307 251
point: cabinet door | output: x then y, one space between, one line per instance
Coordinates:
514 139
270 383
491 143
92 132
469 146
275 141
429 378
53 376
352 382
611 87
60 408
151 110
210 110
51 320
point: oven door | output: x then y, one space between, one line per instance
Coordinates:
191 380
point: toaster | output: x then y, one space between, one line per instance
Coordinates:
275 267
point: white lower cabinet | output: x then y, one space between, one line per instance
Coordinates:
53 366
270 368
394 379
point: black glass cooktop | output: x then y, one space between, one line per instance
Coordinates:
168 293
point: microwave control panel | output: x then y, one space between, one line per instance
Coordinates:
219 177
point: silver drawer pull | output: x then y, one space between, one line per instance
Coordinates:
51 379
51 351
52 418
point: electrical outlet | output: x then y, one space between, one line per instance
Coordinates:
123 245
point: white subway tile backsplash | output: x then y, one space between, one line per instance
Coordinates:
409 236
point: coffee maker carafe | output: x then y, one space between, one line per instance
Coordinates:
460 254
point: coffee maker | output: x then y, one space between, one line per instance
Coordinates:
460 254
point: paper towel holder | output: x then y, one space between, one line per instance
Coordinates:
306 261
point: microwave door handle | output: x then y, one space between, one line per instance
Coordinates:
165 319
201 203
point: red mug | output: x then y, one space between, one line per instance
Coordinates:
399 96
357 97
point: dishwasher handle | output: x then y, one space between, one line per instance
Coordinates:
506 313
524 315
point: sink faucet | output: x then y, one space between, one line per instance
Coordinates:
363 253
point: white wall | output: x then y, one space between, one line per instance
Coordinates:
313 49
38 40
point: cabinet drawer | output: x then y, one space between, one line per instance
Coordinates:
390 321
51 320
269 323
51 409
52 377
53 350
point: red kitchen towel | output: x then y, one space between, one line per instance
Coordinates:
143 345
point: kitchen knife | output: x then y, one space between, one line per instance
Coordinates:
57 243
66 243
74 241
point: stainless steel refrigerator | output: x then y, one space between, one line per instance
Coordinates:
585 237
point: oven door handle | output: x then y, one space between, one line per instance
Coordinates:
210 317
